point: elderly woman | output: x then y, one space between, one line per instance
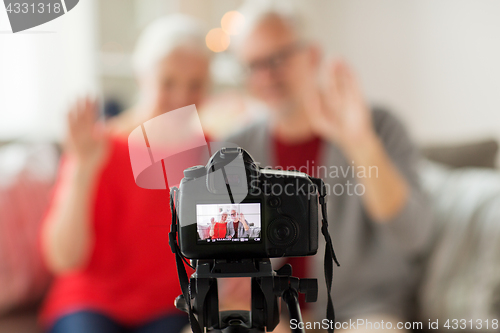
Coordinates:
103 237
218 229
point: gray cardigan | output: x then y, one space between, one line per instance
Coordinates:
378 262
241 230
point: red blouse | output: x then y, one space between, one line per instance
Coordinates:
220 230
131 275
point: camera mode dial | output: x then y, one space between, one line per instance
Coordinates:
196 171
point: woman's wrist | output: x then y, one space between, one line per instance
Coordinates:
80 172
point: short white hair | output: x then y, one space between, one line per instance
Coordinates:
165 35
290 12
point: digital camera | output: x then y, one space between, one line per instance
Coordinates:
232 208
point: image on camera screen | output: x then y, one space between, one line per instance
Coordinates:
228 222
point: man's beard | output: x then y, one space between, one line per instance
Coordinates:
287 109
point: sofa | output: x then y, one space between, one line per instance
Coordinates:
461 280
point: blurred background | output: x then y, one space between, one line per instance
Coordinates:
435 64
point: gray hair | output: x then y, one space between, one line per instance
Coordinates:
165 35
288 11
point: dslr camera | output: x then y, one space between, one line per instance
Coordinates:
233 209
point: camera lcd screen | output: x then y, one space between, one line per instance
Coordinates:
228 222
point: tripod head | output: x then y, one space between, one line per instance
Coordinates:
267 287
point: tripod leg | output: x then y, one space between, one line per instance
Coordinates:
206 301
290 297
265 309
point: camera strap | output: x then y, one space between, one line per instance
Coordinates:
330 258
179 259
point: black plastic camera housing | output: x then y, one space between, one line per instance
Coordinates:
288 207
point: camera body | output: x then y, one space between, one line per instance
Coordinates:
232 209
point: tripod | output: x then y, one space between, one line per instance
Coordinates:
267 287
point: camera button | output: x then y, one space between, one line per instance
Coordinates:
195 172
274 202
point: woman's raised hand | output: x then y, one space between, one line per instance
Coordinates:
87 140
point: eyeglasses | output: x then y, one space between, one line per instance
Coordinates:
233 214
275 61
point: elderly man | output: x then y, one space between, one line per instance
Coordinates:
238 226
378 216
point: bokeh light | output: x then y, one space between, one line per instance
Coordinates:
232 22
217 40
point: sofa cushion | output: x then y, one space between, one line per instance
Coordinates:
479 154
462 276
26 176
